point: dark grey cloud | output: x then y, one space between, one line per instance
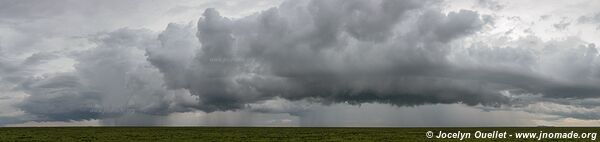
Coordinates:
282 60
109 80
59 97
402 57
308 49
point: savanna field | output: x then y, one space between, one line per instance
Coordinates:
174 134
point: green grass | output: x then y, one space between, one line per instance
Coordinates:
253 134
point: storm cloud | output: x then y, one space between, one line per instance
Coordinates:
402 56
304 52
310 50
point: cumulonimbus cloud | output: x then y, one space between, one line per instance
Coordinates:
396 52
377 51
403 53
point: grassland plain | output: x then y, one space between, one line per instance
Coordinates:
174 134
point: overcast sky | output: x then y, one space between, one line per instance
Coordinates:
299 63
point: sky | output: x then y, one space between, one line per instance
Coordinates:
331 63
